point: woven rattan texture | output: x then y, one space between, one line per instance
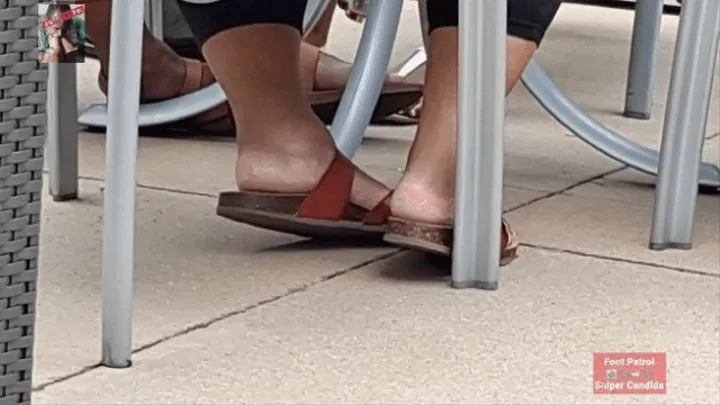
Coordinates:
22 130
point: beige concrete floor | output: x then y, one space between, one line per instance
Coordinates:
225 313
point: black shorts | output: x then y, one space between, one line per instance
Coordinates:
527 19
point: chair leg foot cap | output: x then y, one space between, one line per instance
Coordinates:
480 285
670 245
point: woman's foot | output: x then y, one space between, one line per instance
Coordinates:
422 219
297 167
164 74
423 202
288 171
307 190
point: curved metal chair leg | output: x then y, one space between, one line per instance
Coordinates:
597 134
187 105
367 75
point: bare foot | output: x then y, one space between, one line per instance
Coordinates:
298 168
163 72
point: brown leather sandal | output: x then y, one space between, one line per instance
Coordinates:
326 212
216 120
394 96
438 239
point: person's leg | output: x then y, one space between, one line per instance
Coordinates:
426 191
282 145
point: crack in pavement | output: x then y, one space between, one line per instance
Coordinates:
206 324
598 256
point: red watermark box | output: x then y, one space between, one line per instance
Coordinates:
59 20
629 373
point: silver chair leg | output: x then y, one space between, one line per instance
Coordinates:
154 17
417 59
481 116
62 131
188 105
595 133
643 58
367 75
314 11
411 64
424 24
696 51
120 199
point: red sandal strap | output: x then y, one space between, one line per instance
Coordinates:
380 214
332 194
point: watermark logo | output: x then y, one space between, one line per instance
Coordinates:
62 36
629 373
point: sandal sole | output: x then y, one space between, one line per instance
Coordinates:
278 212
403 233
325 104
307 227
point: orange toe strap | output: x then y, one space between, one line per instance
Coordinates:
380 214
331 197
511 239
332 194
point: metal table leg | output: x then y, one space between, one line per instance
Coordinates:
62 131
481 109
643 58
154 17
367 75
120 198
696 51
